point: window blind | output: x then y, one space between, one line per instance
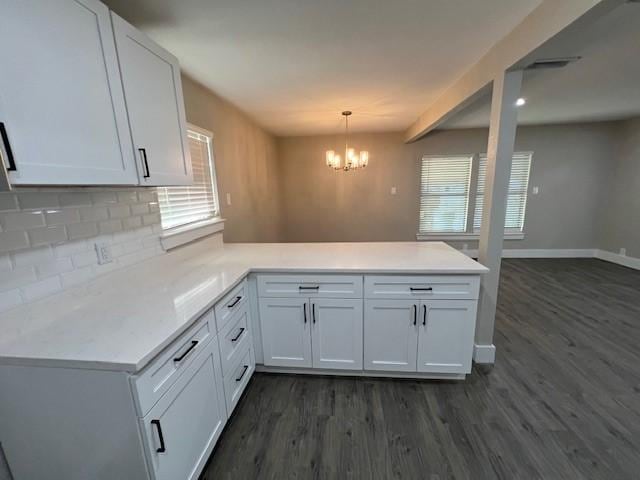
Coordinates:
444 193
184 205
517 196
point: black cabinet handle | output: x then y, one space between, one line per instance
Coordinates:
162 448
143 152
313 312
235 302
421 289
303 287
246 367
424 315
415 314
304 309
7 148
239 335
187 352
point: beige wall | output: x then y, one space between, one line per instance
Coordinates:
569 165
246 166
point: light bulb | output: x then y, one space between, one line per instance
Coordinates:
521 102
364 158
336 161
330 156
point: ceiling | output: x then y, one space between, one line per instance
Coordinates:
294 65
603 85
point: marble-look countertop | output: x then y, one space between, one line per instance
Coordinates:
122 320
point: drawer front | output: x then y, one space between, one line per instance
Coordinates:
233 339
437 287
336 286
231 303
157 378
238 378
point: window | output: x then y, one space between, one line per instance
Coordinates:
517 198
444 194
452 194
180 206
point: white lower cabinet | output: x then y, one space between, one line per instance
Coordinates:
182 428
390 335
286 337
336 333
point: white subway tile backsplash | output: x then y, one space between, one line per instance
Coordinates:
94 214
83 259
77 276
62 217
28 258
131 222
47 236
22 220
69 248
104 198
37 200
10 299
54 267
8 201
110 226
82 230
19 277
11 241
127 197
72 199
151 218
120 211
5 263
147 195
139 209
41 288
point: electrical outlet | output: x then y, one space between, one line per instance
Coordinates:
228 199
394 190
104 253
535 190
623 252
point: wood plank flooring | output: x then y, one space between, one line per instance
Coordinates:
562 402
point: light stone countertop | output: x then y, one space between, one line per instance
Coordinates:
122 320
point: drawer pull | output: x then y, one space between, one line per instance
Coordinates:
246 367
421 289
424 315
303 287
235 302
187 352
238 336
415 314
143 152
7 148
162 448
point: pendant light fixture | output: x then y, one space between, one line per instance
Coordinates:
352 161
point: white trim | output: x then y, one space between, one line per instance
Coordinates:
178 236
200 130
463 236
484 354
631 262
540 253
360 373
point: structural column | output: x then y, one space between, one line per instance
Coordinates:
502 134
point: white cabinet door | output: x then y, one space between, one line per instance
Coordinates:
390 335
336 333
61 101
286 332
153 92
447 329
183 427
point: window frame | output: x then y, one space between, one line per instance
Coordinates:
470 233
181 234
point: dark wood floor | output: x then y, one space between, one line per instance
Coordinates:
562 402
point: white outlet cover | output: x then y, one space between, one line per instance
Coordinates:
103 250
623 252
535 190
394 190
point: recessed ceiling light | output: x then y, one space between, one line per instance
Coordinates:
520 102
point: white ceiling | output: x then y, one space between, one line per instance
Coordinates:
294 65
603 85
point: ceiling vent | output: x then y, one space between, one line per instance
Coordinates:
552 62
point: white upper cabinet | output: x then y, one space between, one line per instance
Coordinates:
62 112
153 93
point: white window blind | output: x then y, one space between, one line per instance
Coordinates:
444 193
517 197
184 205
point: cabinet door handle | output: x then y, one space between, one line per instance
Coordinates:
143 152
424 315
421 289
235 302
238 336
303 287
304 310
246 367
313 312
7 148
415 314
162 447
187 352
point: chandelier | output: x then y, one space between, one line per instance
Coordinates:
352 161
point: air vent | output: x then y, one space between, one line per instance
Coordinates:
552 63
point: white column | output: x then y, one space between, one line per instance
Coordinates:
502 134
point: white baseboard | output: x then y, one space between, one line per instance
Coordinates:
623 260
485 354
